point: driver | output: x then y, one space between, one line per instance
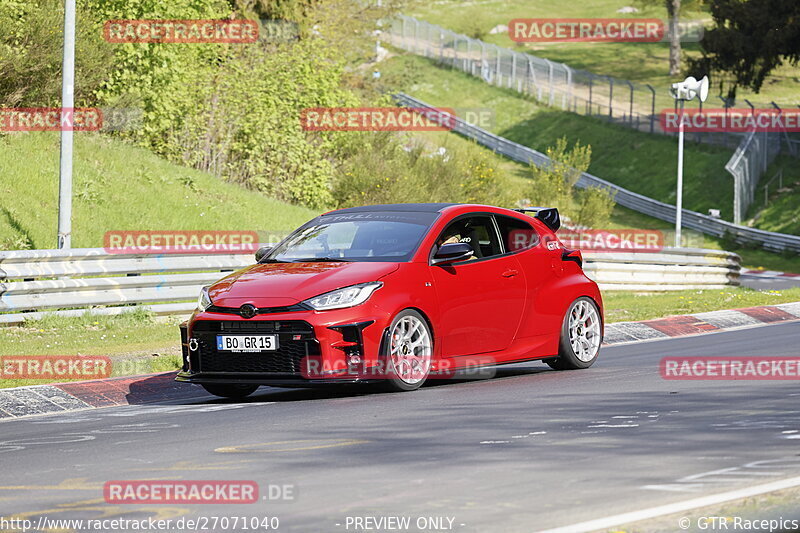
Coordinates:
453 237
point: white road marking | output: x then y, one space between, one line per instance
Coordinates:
678 507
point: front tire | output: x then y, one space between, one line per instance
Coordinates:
409 350
230 390
581 336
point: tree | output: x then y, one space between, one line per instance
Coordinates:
751 39
673 8
554 184
345 25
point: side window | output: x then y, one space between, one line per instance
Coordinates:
516 234
477 231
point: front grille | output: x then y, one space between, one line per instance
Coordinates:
285 360
260 311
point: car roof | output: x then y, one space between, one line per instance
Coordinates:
416 208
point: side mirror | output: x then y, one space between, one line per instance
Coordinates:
452 253
261 252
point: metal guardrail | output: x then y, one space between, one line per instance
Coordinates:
34 283
671 269
615 100
776 242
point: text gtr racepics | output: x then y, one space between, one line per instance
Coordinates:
399 294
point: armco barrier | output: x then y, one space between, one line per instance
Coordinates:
33 282
671 269
776 242
67 282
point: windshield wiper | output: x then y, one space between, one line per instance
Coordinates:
321 260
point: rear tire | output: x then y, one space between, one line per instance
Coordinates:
581 336
230 390
408 352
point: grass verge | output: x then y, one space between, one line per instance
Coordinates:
626 306
118 186
138 343
638 161
637 62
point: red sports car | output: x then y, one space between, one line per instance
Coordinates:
399 294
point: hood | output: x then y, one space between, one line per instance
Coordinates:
281 284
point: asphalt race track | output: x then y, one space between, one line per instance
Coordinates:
764 283
530 449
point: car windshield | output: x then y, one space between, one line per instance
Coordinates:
385 236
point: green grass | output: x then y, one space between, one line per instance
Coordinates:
782 212
120 187
626 306
136 342
641 162
637 62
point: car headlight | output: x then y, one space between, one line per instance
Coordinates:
346 297
204 300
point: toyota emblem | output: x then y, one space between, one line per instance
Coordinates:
248 311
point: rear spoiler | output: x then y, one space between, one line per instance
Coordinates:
548 215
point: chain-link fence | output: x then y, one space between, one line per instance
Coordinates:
619 101
748 163
776 242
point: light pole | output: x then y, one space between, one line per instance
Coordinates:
67 103
683 91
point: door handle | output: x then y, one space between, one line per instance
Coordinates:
510 273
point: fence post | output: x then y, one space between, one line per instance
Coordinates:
630 110
416 36
610 97
569 85
550 81
652 108
441 46
591 86
497 73
725 106
513 80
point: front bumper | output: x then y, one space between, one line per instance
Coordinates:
340 346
